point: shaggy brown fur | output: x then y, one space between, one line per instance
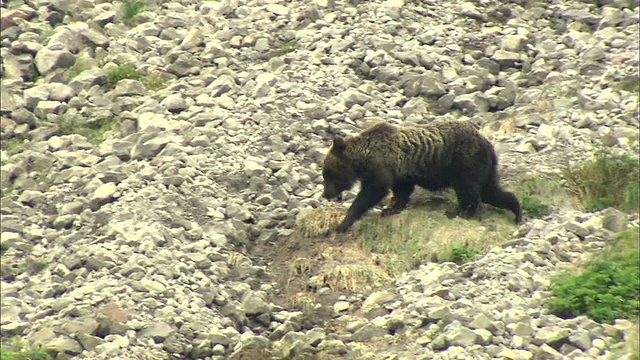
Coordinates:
435 157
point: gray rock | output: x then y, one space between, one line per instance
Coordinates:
577 229
581 339
352 97
88 78
461 337
238 212
507 59
254 304
333 347
102 195
472 103
63 344
128 87
368 332
48 60
159 332
614 220
82 326
551 335
174 103
547 352
513 43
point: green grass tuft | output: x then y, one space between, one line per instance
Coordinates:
463 254
419 235
16 350
127 71
608 288
534 207
94 131
130 9
607 181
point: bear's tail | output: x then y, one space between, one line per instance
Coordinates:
493 194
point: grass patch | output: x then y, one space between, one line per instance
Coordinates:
607 289
463 254
94 131
17 350
130 9
534 207
288 46
539 194
127 71
14 145
418 235
607 181
319 221
78 67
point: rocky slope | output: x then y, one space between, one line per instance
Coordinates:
140 246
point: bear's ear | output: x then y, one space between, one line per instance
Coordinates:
338 145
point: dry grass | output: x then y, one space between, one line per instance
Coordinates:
420 234
606 181
318 222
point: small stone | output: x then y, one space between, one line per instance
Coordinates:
368 332
254 304
341 306
577 229
174 103
333 347
551 335
102 195
548 353
158 332
63 344
462 337
48 60
151 286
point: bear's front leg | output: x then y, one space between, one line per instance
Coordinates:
401 194
368 197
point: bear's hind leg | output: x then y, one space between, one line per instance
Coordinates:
494 195
401 194
469 197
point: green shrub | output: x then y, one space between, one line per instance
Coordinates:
130 9
463 254
94 131
533 207
16 350
607 289
127 71
607 181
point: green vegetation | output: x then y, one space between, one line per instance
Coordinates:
127 71
539 192
94 131
607 289
533 207
16 350
463 254
607 181
288 46
5 191
630 85
13 145
418 235
131 8
78 67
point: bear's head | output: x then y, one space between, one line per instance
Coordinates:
337 171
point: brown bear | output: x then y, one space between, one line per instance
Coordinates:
436 156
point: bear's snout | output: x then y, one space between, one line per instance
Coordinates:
330 194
